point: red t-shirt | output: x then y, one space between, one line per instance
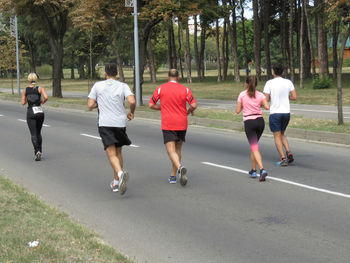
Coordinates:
173 97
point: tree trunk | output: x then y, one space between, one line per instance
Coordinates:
72 64
283 37
180 40
152 66
313 66
196 52
322 42
170 49
246 59
188 54
335 47
291 48
218 59
301 69
173 45
266 8
57 59
225 49
201 53
257 38
233 38
339 78
119 64
81 69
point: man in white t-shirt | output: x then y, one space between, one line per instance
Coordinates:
109 96
279 91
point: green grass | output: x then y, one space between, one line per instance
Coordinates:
208 89
24 218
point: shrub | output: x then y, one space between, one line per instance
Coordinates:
324 83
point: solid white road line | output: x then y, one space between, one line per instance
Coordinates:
45 125
99 138
282 181
1 115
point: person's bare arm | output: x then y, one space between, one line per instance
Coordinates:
265 104
293 95
239 107
192 108
132 104
154 106
267 96
92 104
43 92
24 99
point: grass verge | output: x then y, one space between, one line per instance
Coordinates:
24 218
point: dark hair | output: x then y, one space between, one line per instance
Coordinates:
173 73
278 69
111 69
252 82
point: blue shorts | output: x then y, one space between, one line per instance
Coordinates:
279 121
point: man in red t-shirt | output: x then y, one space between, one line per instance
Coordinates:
173 98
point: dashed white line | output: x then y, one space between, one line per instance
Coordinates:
282 181
99 138
45 125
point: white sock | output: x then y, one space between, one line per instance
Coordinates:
120 174
116 182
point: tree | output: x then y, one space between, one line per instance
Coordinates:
233 37
257 38
322 39
52 17
340 10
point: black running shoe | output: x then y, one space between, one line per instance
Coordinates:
263 174
252 173
290 157
38 156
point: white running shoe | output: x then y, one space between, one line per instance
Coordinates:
182 175
123 178
114 187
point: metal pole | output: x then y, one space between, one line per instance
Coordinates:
137 62
17 58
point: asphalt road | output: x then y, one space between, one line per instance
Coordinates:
300 214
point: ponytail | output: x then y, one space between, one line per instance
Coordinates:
252 82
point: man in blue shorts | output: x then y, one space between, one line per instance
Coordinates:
109 96
279 91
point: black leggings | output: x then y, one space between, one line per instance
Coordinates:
35 123
253 130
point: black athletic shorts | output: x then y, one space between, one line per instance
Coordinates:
113 135
171 136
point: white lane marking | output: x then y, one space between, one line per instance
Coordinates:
45 125
282 180
99 138
1 115
324 111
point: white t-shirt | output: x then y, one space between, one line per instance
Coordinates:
110 95
279 89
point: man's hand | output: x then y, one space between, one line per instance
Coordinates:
130 116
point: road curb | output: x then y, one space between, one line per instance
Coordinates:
311 135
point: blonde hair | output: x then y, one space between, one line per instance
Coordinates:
33 78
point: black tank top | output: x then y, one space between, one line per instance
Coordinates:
33 96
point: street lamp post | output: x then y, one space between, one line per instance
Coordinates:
17 58
137 61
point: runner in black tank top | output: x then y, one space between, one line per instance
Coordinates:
35 115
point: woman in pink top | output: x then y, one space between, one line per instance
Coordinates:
250 101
